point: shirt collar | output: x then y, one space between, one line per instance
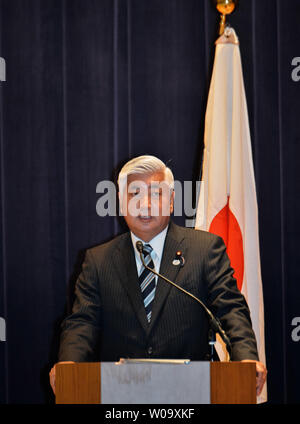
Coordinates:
157 243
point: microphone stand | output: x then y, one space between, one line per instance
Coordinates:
211 341
215 325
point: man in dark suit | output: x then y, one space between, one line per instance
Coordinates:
123 310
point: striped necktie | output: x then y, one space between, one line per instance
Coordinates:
147 281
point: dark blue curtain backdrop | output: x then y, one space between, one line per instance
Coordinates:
91 83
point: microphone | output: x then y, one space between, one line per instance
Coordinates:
213 321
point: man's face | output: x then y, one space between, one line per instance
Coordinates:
147 204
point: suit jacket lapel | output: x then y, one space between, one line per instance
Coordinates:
126 266
173 243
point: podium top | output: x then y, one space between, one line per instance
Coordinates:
152 361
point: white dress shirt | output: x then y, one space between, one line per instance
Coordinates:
157 244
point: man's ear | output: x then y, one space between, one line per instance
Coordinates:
120 203
172 198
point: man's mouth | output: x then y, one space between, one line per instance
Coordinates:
145 217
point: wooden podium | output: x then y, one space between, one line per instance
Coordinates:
153 383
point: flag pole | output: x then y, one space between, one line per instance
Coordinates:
225 7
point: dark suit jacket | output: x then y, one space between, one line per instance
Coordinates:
108 320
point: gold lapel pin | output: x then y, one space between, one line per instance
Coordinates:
179 259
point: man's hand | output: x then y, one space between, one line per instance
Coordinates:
52 373
261 375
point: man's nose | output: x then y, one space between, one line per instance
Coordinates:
145 202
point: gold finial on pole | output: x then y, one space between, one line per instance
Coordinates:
225 7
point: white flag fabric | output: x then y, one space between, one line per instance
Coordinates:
227 204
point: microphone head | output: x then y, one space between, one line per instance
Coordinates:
139 246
